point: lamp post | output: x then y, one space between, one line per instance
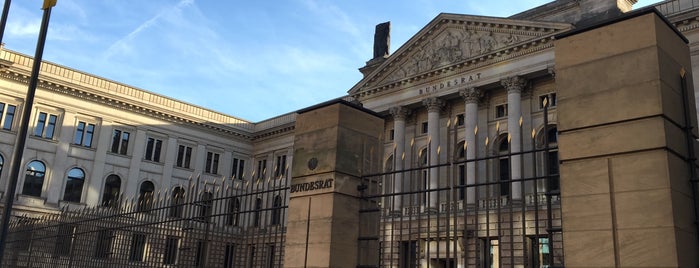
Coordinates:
24 125
3 19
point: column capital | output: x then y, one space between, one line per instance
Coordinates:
471 95
433 104
513 83
399 112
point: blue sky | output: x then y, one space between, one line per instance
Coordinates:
250 59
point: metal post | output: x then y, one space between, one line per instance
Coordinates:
24 126
3 19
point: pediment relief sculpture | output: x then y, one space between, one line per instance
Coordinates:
452 46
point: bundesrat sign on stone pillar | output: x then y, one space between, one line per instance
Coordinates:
335 143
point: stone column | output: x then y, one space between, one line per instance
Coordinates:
399 115
471 97
514 86
434 107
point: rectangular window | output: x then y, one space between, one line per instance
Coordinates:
184 156
45 125
120 142
64 240
251 256
539 250
261 168
238 169
103 245
137 250
424 128
550 100
200 254
229 256
504 176
172 244
391 134
83 134
280 168
462 182
460 120
270 256
490 253
408 254
500 110
211 163
8 112
153 148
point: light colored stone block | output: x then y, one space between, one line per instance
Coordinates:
643 209
589 212
588 177
640 171
647 247
591 249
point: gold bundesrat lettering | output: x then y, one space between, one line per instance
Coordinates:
449 83
311 186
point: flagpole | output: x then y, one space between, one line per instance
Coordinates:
24 126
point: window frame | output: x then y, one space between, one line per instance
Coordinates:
238 168
121 147
501 110
212 163
155 147
68 180
47 127
4 111
183 158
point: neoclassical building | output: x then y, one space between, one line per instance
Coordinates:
463 87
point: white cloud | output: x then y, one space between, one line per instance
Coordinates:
24 28
123 45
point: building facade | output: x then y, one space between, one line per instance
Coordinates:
464 88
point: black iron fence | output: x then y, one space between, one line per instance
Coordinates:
224 223
482 212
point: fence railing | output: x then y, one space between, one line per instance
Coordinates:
502 210
226 224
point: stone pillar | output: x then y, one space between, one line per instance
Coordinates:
626 196
399 116
434 107
471 97
335 143
514 86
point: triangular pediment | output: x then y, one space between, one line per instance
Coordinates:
452 40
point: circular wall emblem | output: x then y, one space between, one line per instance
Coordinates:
312 163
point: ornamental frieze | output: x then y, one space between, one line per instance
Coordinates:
451 46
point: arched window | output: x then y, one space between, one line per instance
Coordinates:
389 164
177 202
74 185
258 210
504 165
206 206
277 211
145 196
112 190
460 150
233 212
34 178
